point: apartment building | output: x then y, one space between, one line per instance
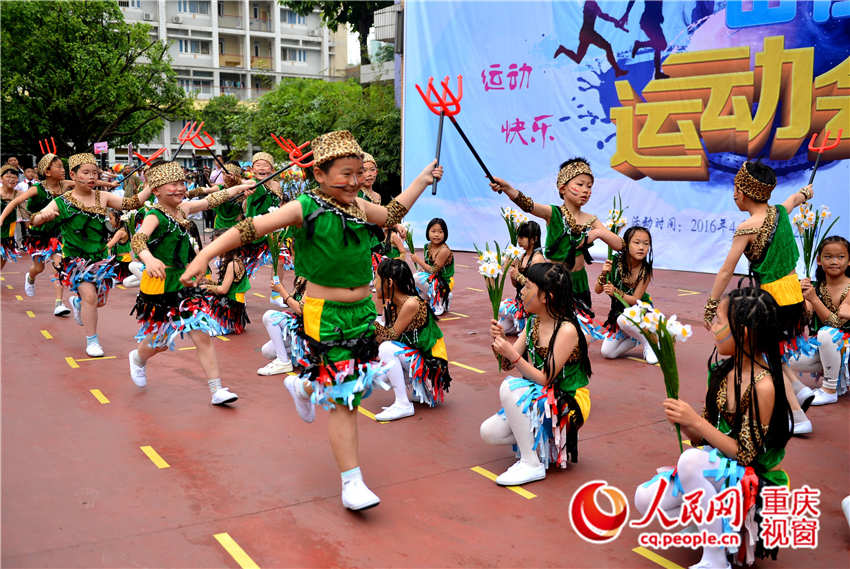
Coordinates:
236 47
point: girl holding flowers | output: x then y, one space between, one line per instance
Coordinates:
411 343
548 401
627 277
745 424
512 314
8 245
436 279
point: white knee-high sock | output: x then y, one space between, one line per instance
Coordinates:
495 430
519 423
830 357
691 465
386 352
275 335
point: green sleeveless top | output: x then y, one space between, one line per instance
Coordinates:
259 202
422 332
227 214
240 285
333 245
564 237
773 253
122 251
446 272
832 305
37 203
617 281
83 229
8 229
171 243
571 376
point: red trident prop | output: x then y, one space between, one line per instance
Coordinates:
190 131
205 145
45 146
822 148
447 104
297 157
145 161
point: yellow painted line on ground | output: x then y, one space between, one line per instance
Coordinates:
366 412
2 278
475 289
18 297
10 287
72 362
464 266
487 474
449 318
237 553
184 348
657 559
641 360
30 313
459 314
258 294
470 368
223 339
99 396
95 359
121 287
154 456
46 335
686 292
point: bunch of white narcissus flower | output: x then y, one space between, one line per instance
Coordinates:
824 212
407 226
649 319
491 270
127 215
680 332
520 217
488 257
513 252
615 220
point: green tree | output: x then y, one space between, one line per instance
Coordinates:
359 14
224 117
302 109
76 71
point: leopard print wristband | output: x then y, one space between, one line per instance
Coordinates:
247 231
395 212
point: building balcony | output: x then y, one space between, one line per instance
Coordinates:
239 93
234 22
230 60
261 63
260 25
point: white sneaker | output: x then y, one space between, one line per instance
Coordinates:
94 350
398 410
649 355
275 367
78 315
521 473
138 373
277 300
222 396
357 496
61 310
845 507
268 351
29 287
824 398
306 409
803 427
131 281
805 397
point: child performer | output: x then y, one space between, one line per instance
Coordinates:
86 268
569 230
411 342
826 352
512 313
767 240
436 280
332 229
8 245
744 426
119 246
282 327
261 200
233 283
629 274
229 213
370 174
163 307
42 243
543 408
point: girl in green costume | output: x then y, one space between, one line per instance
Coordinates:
230 212
43 243
87 268
163 307
119 246
569 230
259 202
436 279
744 427
332 229
411 342
232 285
8 245
544 407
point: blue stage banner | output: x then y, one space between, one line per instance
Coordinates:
665 100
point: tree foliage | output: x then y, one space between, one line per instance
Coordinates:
75 70
359 14
225 118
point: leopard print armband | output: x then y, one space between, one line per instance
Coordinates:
139 242
710 310
395 212
834 321
521 279
217 198
524 202
247 231
131 203
194 193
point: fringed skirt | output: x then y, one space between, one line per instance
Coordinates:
254 256
73 271
807 348
437 291
427 375
294 342
42 246
229 312
555 417
9 250
169 315
512 313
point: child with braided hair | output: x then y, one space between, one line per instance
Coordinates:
512 314
331 227
86 268
411 343
8 244
436 279
543 407
745 425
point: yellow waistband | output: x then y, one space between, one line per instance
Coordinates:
786 290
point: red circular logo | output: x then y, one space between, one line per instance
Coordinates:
592 523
